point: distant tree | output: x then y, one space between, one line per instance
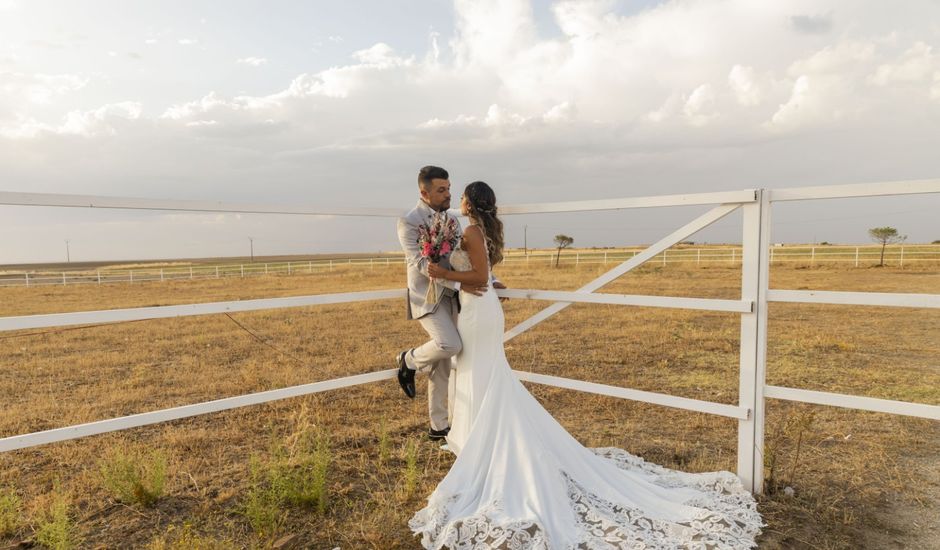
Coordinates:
562 241
885 236
936 242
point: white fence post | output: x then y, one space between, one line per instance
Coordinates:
698 257
132 275
902 256
812 256
605 257
288 268
190 272
856 256
577 258
309 267
664 257
63 278
265 269
27 278
216 272
161 274
732 255
753 356
243 271
331 265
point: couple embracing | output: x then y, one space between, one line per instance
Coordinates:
520 481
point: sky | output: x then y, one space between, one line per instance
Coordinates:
340 103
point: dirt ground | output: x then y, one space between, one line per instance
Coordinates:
836 478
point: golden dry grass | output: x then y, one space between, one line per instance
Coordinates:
862 480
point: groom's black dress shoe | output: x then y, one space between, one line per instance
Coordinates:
436 435
406 376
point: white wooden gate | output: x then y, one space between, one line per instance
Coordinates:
752 306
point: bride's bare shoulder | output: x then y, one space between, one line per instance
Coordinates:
473 233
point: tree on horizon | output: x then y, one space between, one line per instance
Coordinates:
885 235
561 241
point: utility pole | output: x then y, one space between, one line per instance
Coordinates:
68 257
252 242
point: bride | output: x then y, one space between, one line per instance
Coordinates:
520 481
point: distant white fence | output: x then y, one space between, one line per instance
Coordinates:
752 307
860 256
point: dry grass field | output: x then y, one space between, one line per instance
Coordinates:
837 478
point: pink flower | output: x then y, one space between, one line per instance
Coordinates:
426 251
445 248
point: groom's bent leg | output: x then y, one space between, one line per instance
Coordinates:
444 342
434 358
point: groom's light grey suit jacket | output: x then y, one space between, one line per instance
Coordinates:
418 280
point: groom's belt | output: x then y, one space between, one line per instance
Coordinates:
449 292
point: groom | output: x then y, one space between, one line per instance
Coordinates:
439 320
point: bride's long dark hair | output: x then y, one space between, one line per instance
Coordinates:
482 201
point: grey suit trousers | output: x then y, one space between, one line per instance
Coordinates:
434 358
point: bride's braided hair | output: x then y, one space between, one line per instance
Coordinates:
482 202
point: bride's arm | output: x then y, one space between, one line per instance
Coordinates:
476 248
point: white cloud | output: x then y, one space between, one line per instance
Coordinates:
743 83
198 123
37 88
380 55
499 118
914 65
187 41
800 108
252 61
151 41
336 39
699 108
100 121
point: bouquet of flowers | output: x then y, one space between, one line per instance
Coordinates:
437 239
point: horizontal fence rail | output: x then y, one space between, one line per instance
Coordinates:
872 404
860 256
755 255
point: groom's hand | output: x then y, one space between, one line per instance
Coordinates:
473 289
497 284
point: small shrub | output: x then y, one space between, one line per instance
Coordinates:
9 513
788 432
56 530
411 468
385 448
936 242
295 473
133 476
262 507
306 474
185 539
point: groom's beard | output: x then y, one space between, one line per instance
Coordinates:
439 208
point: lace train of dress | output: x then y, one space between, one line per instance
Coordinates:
520 481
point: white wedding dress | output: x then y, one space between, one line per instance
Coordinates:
520 481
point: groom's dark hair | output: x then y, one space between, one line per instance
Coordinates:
428 173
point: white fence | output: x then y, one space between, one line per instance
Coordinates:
752 307
860 256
